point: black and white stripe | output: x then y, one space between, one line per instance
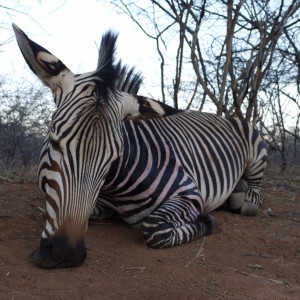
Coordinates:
198 156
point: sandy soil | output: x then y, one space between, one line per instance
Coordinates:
246 258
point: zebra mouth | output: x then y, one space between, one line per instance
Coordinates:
57 253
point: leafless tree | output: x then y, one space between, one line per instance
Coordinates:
10 10
24 117
238 58
224 47
279 97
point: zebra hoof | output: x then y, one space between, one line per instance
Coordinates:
236 200
249 209
210 221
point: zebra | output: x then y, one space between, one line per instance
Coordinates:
160 169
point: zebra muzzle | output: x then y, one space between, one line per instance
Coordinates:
57 252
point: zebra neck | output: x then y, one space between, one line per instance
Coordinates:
143 108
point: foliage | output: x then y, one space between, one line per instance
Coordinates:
24 117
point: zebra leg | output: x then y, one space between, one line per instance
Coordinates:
245 198
175 222
253 175
101 211
252 198
238 196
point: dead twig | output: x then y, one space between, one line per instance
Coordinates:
133 268
260 255
199 254
280 282
255 266
41 209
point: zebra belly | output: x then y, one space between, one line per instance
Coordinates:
135 206
136 196
173 158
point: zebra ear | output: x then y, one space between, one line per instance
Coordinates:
47 67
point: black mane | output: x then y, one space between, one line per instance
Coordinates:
114 77
108 71
129 80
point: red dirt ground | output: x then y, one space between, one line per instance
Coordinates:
246 258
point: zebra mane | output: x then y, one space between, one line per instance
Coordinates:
129 80
108 71
114 77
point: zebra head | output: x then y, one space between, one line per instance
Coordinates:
84 138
